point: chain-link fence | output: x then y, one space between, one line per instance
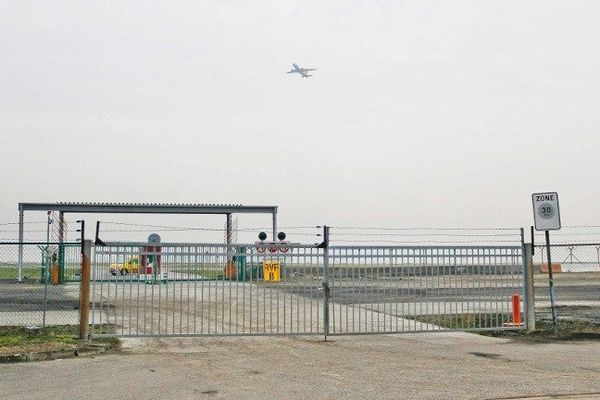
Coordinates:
39 284
576 276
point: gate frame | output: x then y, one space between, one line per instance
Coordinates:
527 289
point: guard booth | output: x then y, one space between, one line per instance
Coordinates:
240 263
151 260
150 264
236 265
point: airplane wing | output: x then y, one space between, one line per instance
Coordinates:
309 69
296 66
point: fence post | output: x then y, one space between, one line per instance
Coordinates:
528 287
61 247
21 239
326 289
84 293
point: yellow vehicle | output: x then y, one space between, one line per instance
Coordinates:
130 266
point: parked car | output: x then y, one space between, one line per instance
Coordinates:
130 266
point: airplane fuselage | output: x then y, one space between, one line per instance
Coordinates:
299 70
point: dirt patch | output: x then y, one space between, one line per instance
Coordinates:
590 314
567 328
36 348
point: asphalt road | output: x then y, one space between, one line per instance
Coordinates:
32 297
577 294
14 297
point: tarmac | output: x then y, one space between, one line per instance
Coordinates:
226 308
438 365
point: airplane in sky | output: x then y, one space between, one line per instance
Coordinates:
300 70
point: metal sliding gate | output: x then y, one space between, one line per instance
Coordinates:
416 289
206 289
214 289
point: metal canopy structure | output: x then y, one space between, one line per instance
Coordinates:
146 208
141 208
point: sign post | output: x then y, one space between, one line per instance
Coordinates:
546 215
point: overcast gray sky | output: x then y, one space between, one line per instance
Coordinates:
423 113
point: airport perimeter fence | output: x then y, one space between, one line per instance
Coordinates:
30 295
196 289
45 290
39 284
576 280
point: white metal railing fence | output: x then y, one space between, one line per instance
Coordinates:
408 289
215 289
206 289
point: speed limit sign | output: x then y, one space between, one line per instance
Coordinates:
546 213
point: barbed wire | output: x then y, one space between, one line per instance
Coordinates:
429 234
170 227
353 234
24 223
430 228
425 241
336 227
570 234
26 231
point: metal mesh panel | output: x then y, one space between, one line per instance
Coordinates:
205 289
34 292
576 273
214 289
408 289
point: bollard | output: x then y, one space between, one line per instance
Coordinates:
516 309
